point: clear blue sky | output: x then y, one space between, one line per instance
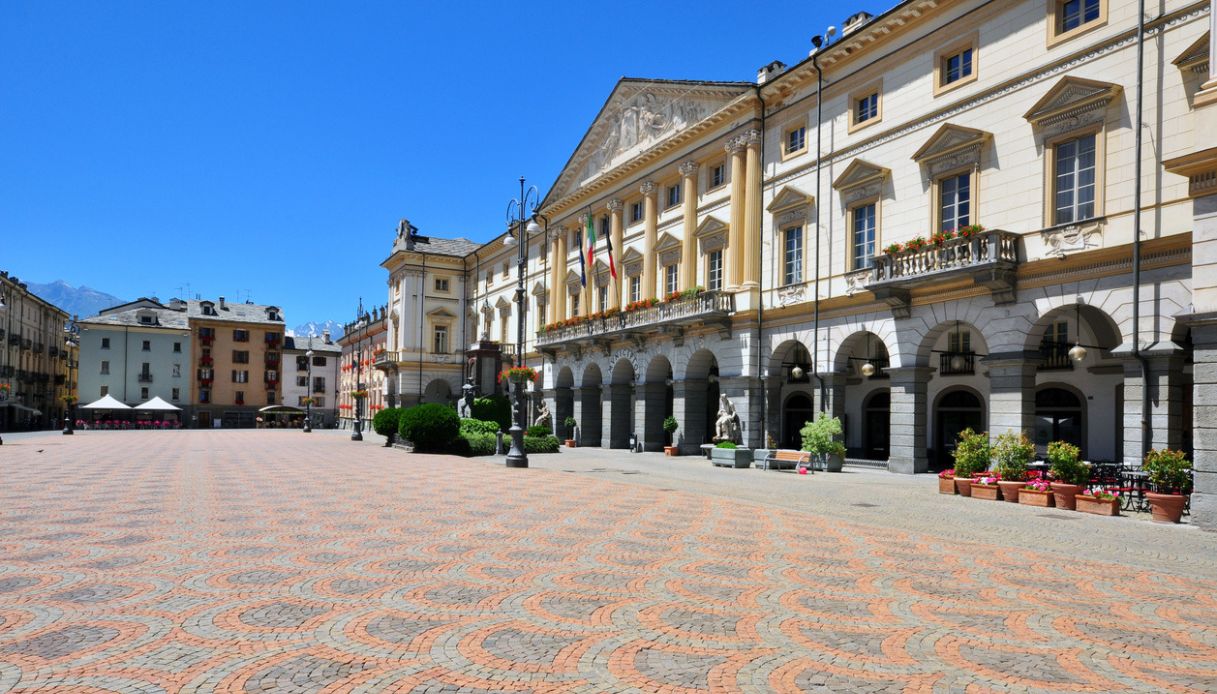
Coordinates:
272 147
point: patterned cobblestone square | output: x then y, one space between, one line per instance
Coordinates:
273 561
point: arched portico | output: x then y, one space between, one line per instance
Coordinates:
861 388
696 401
791 392
590 421
564 401
439 391
618 403
653 403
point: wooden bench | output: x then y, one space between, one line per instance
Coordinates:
800 459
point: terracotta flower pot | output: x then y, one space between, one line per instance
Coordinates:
1089 504
1032 497
570 443
1166 508
946 485
989 492
671 451
963 485
1009 490
1065 494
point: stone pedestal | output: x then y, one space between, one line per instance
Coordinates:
745 395
908 421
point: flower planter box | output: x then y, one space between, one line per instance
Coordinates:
1166 508
834 463
731 457
946 485
963 485
1065 495
989 492
1099 507
1010 490
1032 497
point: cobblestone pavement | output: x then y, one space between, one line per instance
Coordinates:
276 561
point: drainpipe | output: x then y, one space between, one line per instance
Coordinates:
760 292
422 313
1146 429
815 324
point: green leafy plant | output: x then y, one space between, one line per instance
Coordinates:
495 408
541 444
820 435
474 444
1011 456
386 421
726 444
972 453
1169 471
538 430
430 427
470 425
570 423
1066 464
670 425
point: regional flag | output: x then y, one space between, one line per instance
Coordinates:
608 243
591 243
582 266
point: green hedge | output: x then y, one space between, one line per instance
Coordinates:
541 444
474 445
496 408
430 427
538 430
387 421
478 426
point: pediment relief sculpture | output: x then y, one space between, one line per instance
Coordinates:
1071 98
711 235
955 144
790 197
631 262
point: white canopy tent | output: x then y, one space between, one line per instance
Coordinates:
106 403
157 405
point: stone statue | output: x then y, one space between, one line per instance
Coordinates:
464 408
544 419
727 426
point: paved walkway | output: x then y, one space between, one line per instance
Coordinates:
274 560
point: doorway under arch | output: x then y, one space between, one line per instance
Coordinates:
1059 416
621 424
876 425
797 410
956 409
591 421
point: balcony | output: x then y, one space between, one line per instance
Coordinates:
383 358
144 378
956 364
706 307
988 257
1055 355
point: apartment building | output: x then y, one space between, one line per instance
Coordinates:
312 374
364 354
35 359
135 352
238 361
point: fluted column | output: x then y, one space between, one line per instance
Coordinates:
615 224
650 214
735 240
752 211
688 244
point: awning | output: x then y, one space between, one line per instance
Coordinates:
281 409
23 408
106 403
157 405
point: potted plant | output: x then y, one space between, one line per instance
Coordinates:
1099 502
1036 493
570 423
670 425
893 249
518 374
1011 455
946 482
986 488
972 453
727 454
819 439
1069 475
1170 481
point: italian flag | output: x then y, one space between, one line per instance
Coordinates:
591 243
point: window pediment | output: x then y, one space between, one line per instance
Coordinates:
860 172
440 312
502 304
601 272
1196 57
668 249
1071 99
952 147
574 282
711 235
631 262
789 197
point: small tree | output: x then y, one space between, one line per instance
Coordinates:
1169 471
670 425
570 423
819 436
1013 452
1066 464
972 453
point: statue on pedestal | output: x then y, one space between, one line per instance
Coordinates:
544 419
727 425
464 408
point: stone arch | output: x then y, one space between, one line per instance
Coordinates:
655 397
954 409
590 419
621 403
438 390
697 400
1060 418
858 349
564 400
790 373
1098 328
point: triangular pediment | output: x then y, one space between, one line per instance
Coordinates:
539 289
949 139
1195 55
502 303
638 115
573 277
860 172
441 312
710 226
666 242
789 197
1070 96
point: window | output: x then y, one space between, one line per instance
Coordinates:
1074 14
300 400
441 284
177 347
105 368
1074 179
440 342
105 343
302 381
792 272
795 140
635 288
177 394
601 298
240 376
143 393
574 306
240 336
302 363
673 196
318 361
714 271
177 370
240 397
636 212
319 400
146 320
506 269
959 342
319 384
270 397
204 395
669 279
955 201
604 227
718 175
147 346
956 67
866 106
239 357
104 390
863 241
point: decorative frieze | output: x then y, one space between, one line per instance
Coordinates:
1071 238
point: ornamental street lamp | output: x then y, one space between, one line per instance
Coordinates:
357 434
71 340
4 347
308 398
519 222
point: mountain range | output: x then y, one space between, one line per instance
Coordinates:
315 329
77 301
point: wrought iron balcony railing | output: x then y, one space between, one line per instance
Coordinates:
705 306
989 257
956 363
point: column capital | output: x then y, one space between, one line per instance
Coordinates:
734 146
689 168
751 138
556 233
648 188
615 205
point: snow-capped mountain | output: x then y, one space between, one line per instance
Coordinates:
78 301
315 329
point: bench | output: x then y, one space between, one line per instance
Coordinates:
799 459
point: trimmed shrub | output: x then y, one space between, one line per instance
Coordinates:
470 445
1066 467
570 423
387 421
538 430
496 408
541 444
430 427
1011 456
972 453
478 426
725 444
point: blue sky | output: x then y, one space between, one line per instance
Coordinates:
268 149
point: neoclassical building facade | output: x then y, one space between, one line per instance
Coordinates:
943 218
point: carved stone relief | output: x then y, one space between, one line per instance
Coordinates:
1061 241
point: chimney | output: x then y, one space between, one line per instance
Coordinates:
855 22
221 302
768 72
325 335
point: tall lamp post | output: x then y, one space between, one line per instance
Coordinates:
308 398
4 347
71 340
357 434
519 222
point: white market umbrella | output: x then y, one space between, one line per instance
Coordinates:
106 403
157 405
